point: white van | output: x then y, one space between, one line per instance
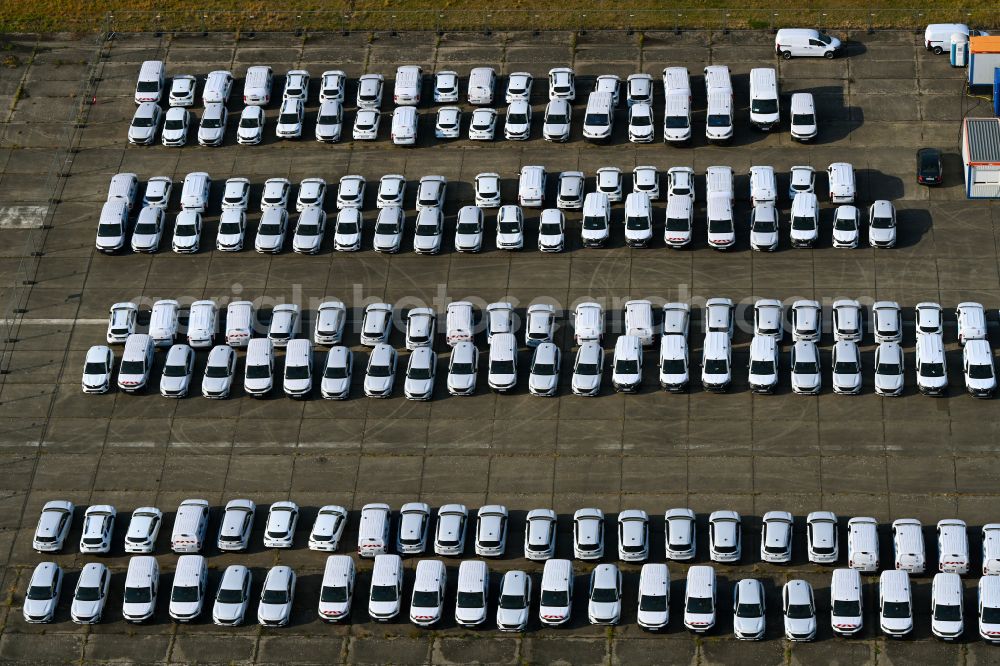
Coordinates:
803 122
151 83
719 180
141 585
763 185
716 362
679 221
482 83
298 368
257 86
385 596
599 119
638 220
937 36
123 187
931 366
190 525
427 602
112 226
473 593
409 80
654 597
841 178
337 589
699 599
991 549
719 219
588 323
194 192
239 323
202 324
502 376
626 366
531 187
639 321
258 375
677 117
805 42
846 615
765 107
596 225
717 78
459 323
946 606
163 322
719 116
953 546
862 544
556 603
218 85
989 608
404 126
895 603
137 361
373 530
908 545
187 596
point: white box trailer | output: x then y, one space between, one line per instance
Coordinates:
981 157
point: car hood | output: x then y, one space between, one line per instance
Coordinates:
174 133
895 625
85 608
980 384
846 379
461 382
268 241
307 241
378 383
508 238
761 237
748 626
133 610
543 382
641 131
605 610
934 382
297 384
586 382
758 380
228 612
258 384
333 609
595 233
248 132
553 612
386 240
503 380
804 234
470 614
881 234
844 236
948 628
101 380
508 616
228 239
185 241
210 132
383 608
335 385
467 239
804 380
173 383
630 378
550 240
38 608
272 612
426 242
800 626
140 132
185 609
419 386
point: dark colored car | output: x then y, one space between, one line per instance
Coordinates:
929 166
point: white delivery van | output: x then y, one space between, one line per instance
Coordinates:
862 544
194 192
699 599
719 117
187 596
895 603
846 616
763 185
202 324
472 598
257 86
804 125
258 376
239 323
163 322
953 546
599 119
409 79
639 321
137 362
677 118
151 82
482 84
765 107
908 545
427 601
841 179
804 42
142 582
459 323
676 81
556 602
385 597
373 530
937 36
190 525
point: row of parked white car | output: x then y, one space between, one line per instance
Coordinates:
597 224
641 332
453 530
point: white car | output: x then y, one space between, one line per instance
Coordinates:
296 85
681 537
821 537
309 231
448 124
558 120
463 368
510 228
570 194
336 382
428 231
641 124
487 186
420 373
381 372
391 189
609 180
331 318
177 371
328 528
312 194
889 369
232 597
978 368
366 124
330 121
332 85
431 192
403 131
175 127
217 381
633 535
445 87
53 526
483 125
97 369
802 180
237 524
148 230
806 320
887 322
91 594
846 368
157 194
389 230
370 91
725 543
847 320
749 610
347 230
514 602
276 193
351 192
145 123
562 83
491 530
469 229
882 224
271 231
250 130
588 534
517 122
279 531
232 230
846 227
182 90
42 595
551 230
414 525
519 87
764 225
776 537
275 607
680 182
610 83
540 534
588 369
377 324
605 598
543 379
646 179
187 232
807 378
799 610
290 117
212 129
98 524
452 523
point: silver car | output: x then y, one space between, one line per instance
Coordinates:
42 596
469 229
420 372
366 124
336 382
846 368
271 231
515 601
275 608
309 231
97 369
749 610
381 372
212 129
543 379
250 130
175 127
330 121
176 378
806 375
217 381
91 594
463 368
799 610
588 369
145 123
448 124
889 368
233 596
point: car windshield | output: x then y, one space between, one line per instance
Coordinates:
186 230
896 609
947 613
427 230
333 594
550 229
419 373
543 369
761 367
146 228
929 164
258 372
502 367
462 369
716 366
990 615
845 368
843 608
932 370
383 593
803 119
509 227
556 598
763 106
251 122
845 224
175 371
799 611
230 228
148 86
700 605
44 592
641 121
653 603
596 119
132 368
328 119
881 223
347 228
888 369
109 230
269 229
482 123
142 121
556 119
801 223
229 595
805 368
637 223
335 372
471 600
379 371
185 593
763 226
211 123
627 367
512 601
424 599
749 610
604 595
678 224
981 371
720 226
307 230
594 223
673 366
138 595
719 120
467 228
174 124
88 593
270 596
288 119
93 368
296 372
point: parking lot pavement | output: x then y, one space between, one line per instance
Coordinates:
910 456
